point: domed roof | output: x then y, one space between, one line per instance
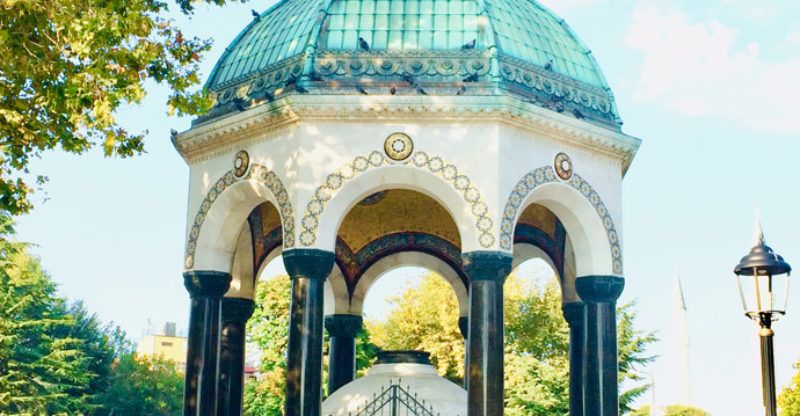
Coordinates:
518 44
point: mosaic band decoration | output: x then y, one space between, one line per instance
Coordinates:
259 174
433 164
544 175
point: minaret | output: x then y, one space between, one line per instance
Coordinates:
682 316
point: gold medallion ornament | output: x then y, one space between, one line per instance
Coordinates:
241 163
398 146
563 165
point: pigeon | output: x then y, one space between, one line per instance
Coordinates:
361 89
255 14
362 44
577 113
316 77
472 78
173 134
462 90
549 65
420 90
470 45
240 103
410 79
268 96
300 89
393 90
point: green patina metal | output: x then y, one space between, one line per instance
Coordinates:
516 42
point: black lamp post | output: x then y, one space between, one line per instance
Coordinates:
763 280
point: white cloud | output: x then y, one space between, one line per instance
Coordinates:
699 69
794 37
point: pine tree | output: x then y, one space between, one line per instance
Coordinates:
42 367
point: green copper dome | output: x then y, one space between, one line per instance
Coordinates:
517 44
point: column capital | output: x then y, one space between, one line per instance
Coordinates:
343 325
237 310
573 313
206 283
308 263
487 265
599 289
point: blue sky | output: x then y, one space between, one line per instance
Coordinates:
711 87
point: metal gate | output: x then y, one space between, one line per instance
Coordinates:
394 400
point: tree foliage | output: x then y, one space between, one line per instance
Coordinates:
68 65
142 386
59 359
789 399
43 369
425 317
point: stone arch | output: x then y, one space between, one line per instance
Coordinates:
367 174
223 212
581 210
409 258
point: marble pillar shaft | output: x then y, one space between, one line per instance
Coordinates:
342 330
600 388
575 313
206 289
235 313
487 272
308 269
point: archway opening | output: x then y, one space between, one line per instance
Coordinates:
536 339
415 308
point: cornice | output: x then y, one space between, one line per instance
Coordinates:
207 139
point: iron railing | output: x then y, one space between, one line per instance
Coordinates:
394 400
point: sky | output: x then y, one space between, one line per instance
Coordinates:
710 87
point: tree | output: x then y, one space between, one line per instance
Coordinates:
43 369
789 399
425 318
143 386
57 359
68 65
268 330
682 410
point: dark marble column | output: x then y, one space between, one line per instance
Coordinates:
206 289
342 330
308 269
600 389
235 313
575 313
463 326
487 271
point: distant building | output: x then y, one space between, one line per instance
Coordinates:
167 344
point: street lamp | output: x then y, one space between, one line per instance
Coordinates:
763 280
